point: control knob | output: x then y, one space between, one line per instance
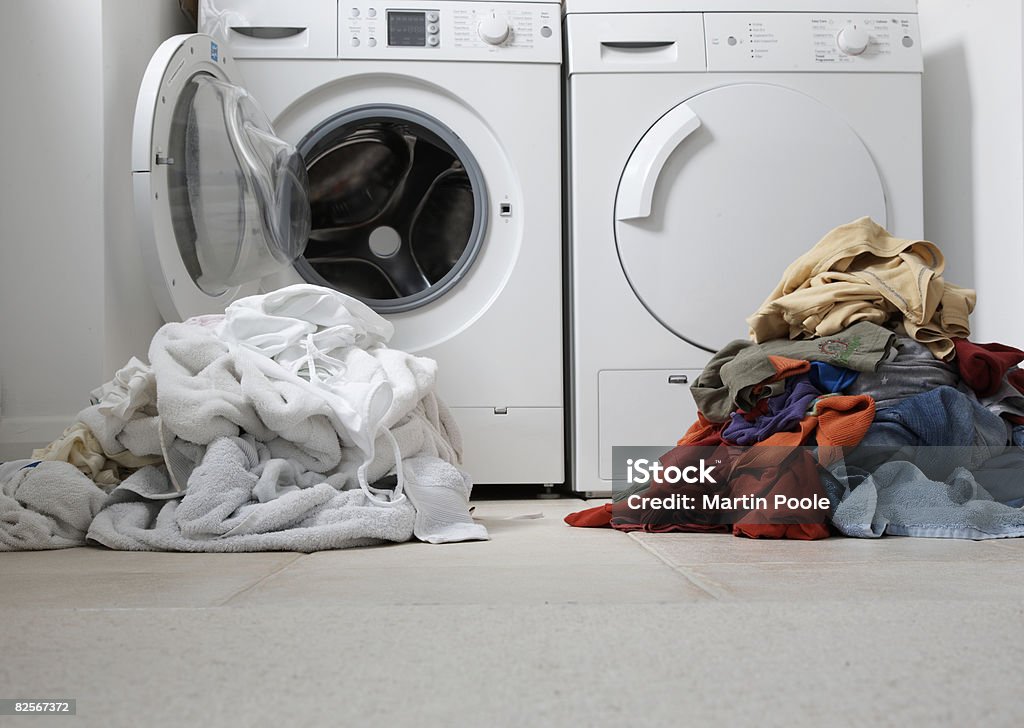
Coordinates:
494 30
853 40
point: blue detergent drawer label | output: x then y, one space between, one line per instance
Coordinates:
213 52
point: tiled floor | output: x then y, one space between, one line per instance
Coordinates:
543 625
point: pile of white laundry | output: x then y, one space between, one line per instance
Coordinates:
284 424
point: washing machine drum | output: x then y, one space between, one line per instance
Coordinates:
443 224
395 217
352 183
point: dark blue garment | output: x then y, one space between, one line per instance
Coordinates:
937 430
1018 435
943 416
784 412
829 378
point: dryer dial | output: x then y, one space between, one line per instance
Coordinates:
494 30
853 40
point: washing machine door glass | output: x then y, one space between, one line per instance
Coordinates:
723 192
221 201
398 206
239 195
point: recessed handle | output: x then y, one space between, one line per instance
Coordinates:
268 32
678 379
638 45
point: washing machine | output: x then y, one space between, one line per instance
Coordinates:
427 183
710 144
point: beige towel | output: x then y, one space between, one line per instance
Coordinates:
859 272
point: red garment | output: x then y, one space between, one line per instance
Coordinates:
983 366
793 531
596 517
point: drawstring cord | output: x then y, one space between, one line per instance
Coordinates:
313 352
397 495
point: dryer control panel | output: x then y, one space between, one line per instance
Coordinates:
465 31
812 42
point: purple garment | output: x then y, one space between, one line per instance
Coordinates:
784 414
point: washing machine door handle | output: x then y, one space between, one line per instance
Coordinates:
636 188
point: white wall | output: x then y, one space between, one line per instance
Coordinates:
132 30
51 213
974 154
73 306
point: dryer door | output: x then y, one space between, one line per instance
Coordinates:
221 201
714 179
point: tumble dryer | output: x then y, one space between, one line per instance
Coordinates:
707 150
426 182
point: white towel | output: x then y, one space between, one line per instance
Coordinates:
123 417
206 391
335 345
440 493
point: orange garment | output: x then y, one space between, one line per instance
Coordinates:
843 420
786 367
703 432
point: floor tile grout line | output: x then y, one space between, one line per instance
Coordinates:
259 581
688 576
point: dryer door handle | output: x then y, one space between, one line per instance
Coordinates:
636 189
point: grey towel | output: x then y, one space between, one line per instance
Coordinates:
898 499
239 498
45 505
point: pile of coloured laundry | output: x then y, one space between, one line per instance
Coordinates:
284 424
859 406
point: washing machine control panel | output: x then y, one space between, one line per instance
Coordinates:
433 30
812 42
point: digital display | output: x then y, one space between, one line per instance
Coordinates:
407 28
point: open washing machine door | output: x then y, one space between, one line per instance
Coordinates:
716 177
221 202
380 201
